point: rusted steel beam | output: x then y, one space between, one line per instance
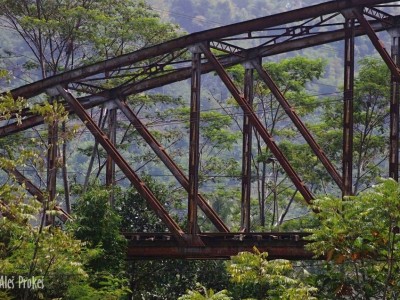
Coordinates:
110 164
184 73
112 131
378 44
140 186
318 151
278 245
52 155
227 48
5 211
29 186
303 29
394 109
35 120
257 124
392 61
35 88
64 215
229 60
15 127
170 164
35 191
246 150
284 251
348 122
52 168
378 15
194 140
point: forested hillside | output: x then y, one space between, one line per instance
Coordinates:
193 15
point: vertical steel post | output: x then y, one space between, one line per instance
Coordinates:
51 166
65 171
392 61
246 153
110 164
194 155
348 123
394 108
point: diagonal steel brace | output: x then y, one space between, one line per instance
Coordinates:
35 191
394 106
299 124
169 163
140 186
377 44
268 139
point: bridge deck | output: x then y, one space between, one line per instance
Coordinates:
289 245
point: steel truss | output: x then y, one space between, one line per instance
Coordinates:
270 35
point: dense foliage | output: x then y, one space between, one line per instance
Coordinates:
65 34
359 238
32 248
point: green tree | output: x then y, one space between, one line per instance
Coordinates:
257 277
28 246
359 238
98 226
66 34
136 215
253 276
29 250
32 247
62 35
371 96
204 294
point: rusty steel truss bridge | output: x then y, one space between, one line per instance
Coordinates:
167 63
